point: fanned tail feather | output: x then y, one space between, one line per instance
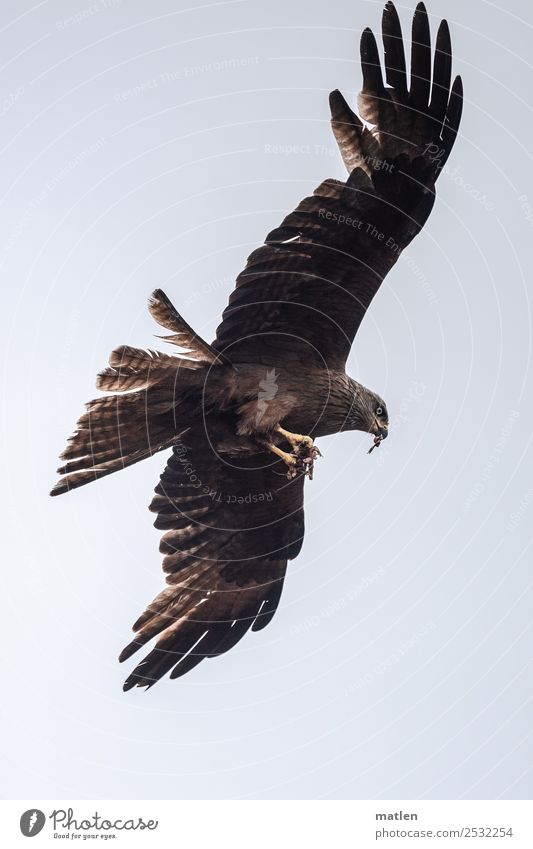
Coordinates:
156 396
166 314
111 437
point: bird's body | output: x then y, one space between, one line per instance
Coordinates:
241 413
314 401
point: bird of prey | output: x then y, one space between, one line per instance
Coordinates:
240 415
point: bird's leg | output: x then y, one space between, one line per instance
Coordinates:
290 460
302 457
304 451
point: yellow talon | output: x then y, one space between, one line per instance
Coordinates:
303 455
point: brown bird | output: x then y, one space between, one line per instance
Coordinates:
241 414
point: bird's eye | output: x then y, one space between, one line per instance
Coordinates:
379 411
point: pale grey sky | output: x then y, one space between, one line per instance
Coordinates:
156 145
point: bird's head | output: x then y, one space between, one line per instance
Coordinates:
369 413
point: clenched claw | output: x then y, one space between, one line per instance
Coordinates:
293 471
309 461
303 455
301 465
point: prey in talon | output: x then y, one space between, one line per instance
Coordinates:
377 442
302 457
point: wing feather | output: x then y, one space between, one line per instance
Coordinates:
394 52
307 289
225 565
420 59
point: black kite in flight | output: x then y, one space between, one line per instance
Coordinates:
230 499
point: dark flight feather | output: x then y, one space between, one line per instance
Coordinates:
420 60
442 74
225 565
320 269
394 53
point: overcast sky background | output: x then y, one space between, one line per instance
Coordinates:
148 145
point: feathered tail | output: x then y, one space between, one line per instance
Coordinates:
157 396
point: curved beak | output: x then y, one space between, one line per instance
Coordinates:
380 430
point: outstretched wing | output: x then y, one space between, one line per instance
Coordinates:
231 526
307 289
